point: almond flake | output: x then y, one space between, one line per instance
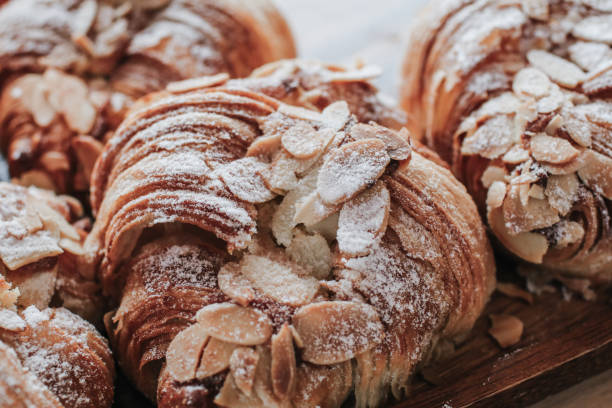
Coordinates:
516 155
243 363
531 81
578 129
299 113
558 69
336 115
215 358
286 283
350 169
234 284
337 331
87 150
533 215
513 291
232 396
600 82
183 355
555 124
281 176
596 173
505 329
536 9
235 324
491 139
551 102
193 84
561 192
397 144
283 368
243 178
595 28
493 174
553 150
311 210
536 191
589 54
264 145
55 161
496 194
363 221
567 233
302 141
312 253
529 246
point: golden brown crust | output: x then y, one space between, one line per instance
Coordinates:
202 317
516 97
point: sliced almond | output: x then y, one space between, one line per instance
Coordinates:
299 113
529 246
397 144
328 228
243 178
588 55
579 130
285 283
492 174
283 366
492 139
496 194
281 177
234 284
215 358
567 233
337 331
87 150
553 150
183 355
55 161
516 155
350 169
232 396
520 217
235 324
363 221
536 191
551 102
193 84
513 291
554 125
322 386
596 173
336 115
506 329
312 253
531 81
265 145
302 141
243 365
558 69
536 9
561 192
311 210
595 28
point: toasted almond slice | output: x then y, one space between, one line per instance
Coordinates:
302 141
531 81
553 150
536 9
397 144
567 233
215 358
87 150
281 176
560 70
579 130
328 228
337 331
42 111
322 386
53 220
529 246
491 139
536 191
555 124
299 113
71 246
363 221
197 83
561 192
243 364
232 396
84 18
596 173
496 194
283 366
183 355
311 210
265 145
336 115
312 253
512 290
235 324
520 217
286 283
243 178
350 169
599 81
492 174
505 329
551 102
55 161
516 155
588 55
595 28
234 284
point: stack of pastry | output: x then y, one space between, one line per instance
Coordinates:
516 96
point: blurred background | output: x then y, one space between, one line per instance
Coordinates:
342 31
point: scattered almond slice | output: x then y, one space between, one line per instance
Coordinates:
551 102
283 365
529 246
300 113
312 253
492 174
567 233
579 130
302 141
183 355
536 191
232 396
363 221
55 161
285 283
243 178
554 125
336 115
215 358
531 81
234 284
235 324
491 139
553 150
193 84
596 172
533 215
516 155
337 331
536 9
558 69
588 55
281 177
328 228
311 210
87 150
595 28
506 329
243 363
350 169
264 145
513 291
397 144
561 192
496 194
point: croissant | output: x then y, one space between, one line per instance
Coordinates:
261 254
516 97
49 357
69 70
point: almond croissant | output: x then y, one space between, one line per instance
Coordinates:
264 255
516 96
69 69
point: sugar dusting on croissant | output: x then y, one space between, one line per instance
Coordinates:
517 98
261 254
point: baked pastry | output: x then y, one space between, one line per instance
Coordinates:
40 243
49 357
69 69
516 96
262 254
